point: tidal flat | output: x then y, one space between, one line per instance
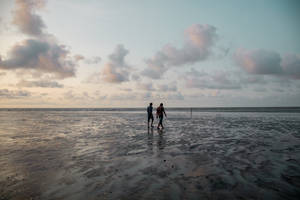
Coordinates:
80 154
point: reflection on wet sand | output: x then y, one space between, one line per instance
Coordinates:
150 139
161 142
97 155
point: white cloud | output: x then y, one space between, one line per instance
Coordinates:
79 57
41 56
258 61
26 19
263 62
41 53
175 96
113 74
219 80
291 65
170 87
116 70
199 41
135 77
145 86
2 73
93 60
78 96
123 97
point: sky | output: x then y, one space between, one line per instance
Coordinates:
116 53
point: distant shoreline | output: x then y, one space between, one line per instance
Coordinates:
178 109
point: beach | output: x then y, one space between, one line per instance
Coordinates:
92 154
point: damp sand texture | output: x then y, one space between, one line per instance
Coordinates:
82 154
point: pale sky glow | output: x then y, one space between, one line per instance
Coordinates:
114 53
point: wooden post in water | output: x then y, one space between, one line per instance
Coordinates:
191 112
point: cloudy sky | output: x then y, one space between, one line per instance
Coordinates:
116 53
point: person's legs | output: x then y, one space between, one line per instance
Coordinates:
148 120
152 120
160 122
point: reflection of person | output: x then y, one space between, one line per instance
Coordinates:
161 142
150 115
160 112
150 139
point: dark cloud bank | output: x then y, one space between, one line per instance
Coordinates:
13 94
40 83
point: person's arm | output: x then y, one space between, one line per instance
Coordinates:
165 113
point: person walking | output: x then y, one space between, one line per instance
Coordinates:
160 112
150 115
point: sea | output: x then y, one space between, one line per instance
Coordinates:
110 153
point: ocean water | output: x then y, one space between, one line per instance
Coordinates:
218 153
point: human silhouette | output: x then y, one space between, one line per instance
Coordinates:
160 112
150 115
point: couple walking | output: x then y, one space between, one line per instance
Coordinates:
160 112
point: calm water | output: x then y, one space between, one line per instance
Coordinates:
110 154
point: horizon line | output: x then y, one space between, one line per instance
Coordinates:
205 107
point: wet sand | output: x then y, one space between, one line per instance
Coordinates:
112 155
